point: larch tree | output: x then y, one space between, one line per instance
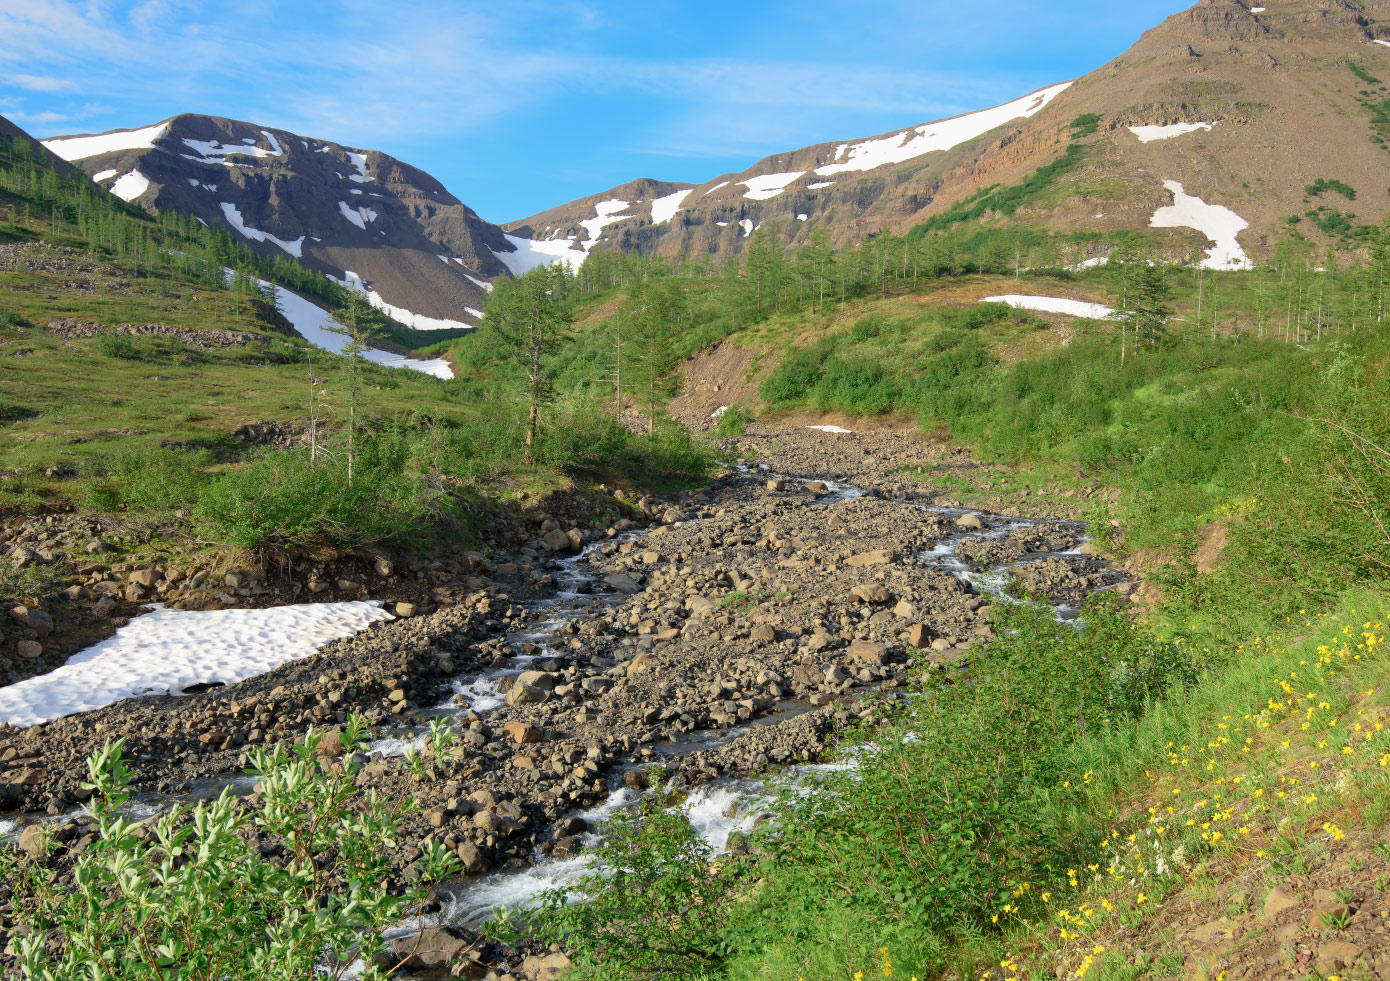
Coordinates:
531 317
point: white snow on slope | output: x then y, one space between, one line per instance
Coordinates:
358 216
295 248
359 160
107 175
168 651
1379 41
1054 304
747 226
533 254
213 152
481 284
820 184
769 185
1147 134
607 215
319 328
82 147
832 429
274 143
131 186
901 147
410 319
664 209
1217 223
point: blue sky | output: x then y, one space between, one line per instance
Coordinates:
526 104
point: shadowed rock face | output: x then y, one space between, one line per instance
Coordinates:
1287 110
335 208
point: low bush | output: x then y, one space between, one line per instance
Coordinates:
197 898
117 346
285 500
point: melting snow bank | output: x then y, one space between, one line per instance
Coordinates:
664 209
830 429
412 320
1054 304
131 186
82 147
532 254
903 146
319 328
1148 134
167 651
1217 223
233 216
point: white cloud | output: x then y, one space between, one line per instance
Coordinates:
41 83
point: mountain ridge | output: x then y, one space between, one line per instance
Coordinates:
360 216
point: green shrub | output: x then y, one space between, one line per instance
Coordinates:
285 500
11 319
653 906
733 423
1323 184
117 346
199 900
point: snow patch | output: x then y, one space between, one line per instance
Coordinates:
318 327
1054 304
747 226
295 248
907 145
413 320
108 174
210 151
1379 41
82 147
485 286
359 160
607 215
358 216
769 185
131 186
532 254
1217 223
1148 134
820 184
664 209
167 651
803 217
831 429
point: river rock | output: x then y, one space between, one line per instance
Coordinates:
523 733
970 522
872 593
880 556
32 619
621 583
435 947
867 651
29 649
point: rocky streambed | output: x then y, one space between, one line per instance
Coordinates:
727 641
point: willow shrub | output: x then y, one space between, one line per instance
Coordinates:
196 898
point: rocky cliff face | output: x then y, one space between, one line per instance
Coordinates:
1243 106
348 213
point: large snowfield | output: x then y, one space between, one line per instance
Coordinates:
168 651
82 147
907 145
131 186
1220 224
534 253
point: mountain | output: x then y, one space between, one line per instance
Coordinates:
389 228
1214 123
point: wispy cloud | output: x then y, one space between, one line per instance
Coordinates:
41 83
